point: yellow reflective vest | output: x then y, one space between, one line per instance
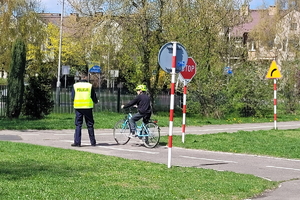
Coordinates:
82 98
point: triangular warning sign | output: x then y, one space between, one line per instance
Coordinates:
273 71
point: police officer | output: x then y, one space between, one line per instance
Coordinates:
143 103
84 97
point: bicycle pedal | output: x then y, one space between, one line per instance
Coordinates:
132 136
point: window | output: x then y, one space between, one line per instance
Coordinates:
293 26
253 46
294 44
270 44
284 42
238 42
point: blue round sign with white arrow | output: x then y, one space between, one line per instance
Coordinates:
165 57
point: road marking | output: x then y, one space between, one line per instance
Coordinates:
242 128
98 134
208 159
64 134
30 134
129 150
240 154
287 168
83 143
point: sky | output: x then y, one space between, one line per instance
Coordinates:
254 4
52 6
55 6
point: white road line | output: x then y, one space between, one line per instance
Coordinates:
235 128
208 159
219 130
64 134
25 134
283 168
241 154
113 148
120 149
96 134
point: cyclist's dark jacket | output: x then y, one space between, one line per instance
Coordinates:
142 101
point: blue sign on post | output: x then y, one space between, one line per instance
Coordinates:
165 57
95 69
227 71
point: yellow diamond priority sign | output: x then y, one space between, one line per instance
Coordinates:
273 71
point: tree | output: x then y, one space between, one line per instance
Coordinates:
130 32
287 45
278 34
203 27
18 19
37 97
16 79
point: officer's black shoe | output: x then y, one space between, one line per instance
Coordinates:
94 144
75 145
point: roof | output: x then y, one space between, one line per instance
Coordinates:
253 19
53 18
69 25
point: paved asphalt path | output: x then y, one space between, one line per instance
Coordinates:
275 169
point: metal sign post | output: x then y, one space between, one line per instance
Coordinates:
275 104
96 69
184 110
65 72
186 76
274 73
173 54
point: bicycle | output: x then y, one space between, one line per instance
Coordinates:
149 132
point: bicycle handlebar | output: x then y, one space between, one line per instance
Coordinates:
129 110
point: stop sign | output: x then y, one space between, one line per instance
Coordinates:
189 71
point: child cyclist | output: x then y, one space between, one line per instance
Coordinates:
143 103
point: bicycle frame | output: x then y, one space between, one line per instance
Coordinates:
148 132
139 128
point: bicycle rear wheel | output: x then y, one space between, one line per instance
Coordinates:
122 132
153 135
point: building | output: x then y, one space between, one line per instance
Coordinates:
246 33
267 34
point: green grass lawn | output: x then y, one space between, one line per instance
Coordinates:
37 172
277 143
108 119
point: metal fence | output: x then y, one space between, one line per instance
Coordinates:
3 94
109 100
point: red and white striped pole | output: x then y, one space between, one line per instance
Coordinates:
184 109
275 103
173 73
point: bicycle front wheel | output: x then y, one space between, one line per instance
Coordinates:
152 135
122 132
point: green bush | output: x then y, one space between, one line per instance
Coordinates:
37 97
3 81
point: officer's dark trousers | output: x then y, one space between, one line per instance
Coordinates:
89 120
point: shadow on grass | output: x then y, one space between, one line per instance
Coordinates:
31 168
163 143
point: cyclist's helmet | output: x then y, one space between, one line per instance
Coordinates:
141 87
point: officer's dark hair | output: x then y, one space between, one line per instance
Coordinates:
83 75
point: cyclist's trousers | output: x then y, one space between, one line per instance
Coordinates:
136 117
